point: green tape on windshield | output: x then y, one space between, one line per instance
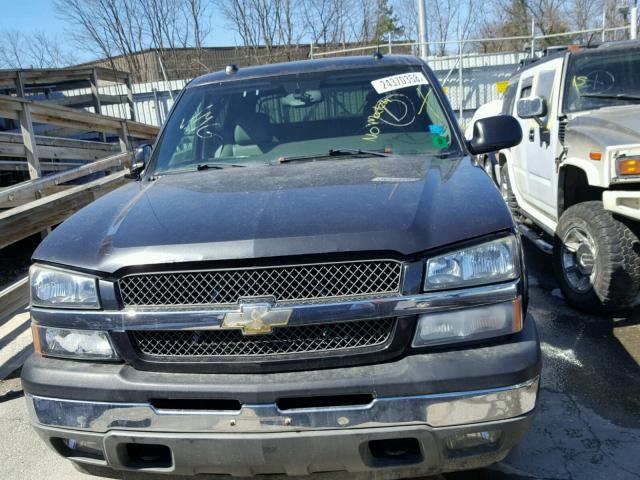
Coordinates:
440 141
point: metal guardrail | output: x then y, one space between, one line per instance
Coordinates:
467 41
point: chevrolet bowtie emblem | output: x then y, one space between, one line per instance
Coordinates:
256 319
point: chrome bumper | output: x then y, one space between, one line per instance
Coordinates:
437 410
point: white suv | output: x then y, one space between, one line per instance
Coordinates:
576 174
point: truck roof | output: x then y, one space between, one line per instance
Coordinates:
609 46
306 66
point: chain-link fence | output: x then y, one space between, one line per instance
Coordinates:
471 72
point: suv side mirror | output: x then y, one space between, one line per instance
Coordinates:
140 160
495 133
532 107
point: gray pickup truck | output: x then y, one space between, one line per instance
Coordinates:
308 275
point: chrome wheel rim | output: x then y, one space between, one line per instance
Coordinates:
579 259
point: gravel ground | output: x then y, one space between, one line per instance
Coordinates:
587 424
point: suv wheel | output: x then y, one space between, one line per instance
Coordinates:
596 258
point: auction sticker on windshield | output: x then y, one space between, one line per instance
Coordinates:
396 82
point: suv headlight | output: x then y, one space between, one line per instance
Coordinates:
628 166
491 262
486 263
51 287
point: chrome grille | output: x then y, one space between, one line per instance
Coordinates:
282 341
284 283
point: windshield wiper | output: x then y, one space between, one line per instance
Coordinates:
617 96
338 152
217 165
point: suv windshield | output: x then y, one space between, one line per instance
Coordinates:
263 120
602 78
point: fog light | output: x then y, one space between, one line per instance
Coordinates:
82 448
468 324
474 440
71 343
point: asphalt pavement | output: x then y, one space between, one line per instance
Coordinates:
588 418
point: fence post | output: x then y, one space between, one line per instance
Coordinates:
634 23
422 30
389 43
132 106
311 49
95 96
123 136
29 141
157 105
460 86
533 37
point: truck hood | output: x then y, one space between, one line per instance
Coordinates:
605 127
403 205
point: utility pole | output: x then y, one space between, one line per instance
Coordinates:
634 21
422 29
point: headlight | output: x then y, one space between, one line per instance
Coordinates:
51 287
71 343
628 166
467 324
490 262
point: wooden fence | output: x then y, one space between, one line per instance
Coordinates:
44 201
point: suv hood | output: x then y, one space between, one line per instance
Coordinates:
403 205
605 127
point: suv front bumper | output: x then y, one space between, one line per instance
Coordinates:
485 394
621 202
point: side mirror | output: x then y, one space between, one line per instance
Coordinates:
532 107
495 133
140 160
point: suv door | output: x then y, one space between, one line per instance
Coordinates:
536 176
518 161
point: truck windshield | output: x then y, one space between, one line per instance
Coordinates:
602 78
258 121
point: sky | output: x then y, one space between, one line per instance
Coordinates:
34 15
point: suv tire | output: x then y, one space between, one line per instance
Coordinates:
596 258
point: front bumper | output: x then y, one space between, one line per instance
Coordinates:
261 439
625 203
430 399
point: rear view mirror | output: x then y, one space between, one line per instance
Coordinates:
532 107
302 99
495 133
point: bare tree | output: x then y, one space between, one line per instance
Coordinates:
36 50
12 49
325 21
268 29
111 28
584 14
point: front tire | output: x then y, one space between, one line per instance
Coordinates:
596 258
